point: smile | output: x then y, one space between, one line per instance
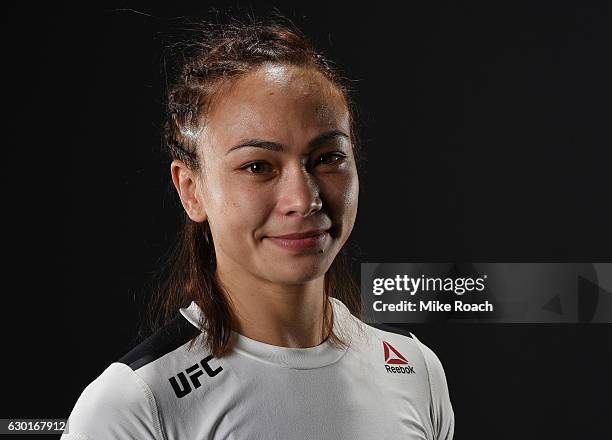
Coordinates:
300 242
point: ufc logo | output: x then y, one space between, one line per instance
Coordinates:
193 373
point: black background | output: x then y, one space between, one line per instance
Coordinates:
486 128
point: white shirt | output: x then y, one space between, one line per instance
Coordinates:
384 386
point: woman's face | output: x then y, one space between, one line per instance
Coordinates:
276 159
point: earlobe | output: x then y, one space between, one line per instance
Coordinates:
186 185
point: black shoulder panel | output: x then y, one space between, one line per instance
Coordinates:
391 329
174 334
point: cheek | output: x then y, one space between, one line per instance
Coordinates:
236 206
342 194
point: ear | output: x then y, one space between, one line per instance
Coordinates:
186 184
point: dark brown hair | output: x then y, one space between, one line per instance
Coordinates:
220 53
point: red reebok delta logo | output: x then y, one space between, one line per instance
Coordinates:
396 360
392 356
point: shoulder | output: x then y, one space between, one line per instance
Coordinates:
440 407
116 404
168 339
387 334
400 344
430 359
404 337
443 416
122 401
434 365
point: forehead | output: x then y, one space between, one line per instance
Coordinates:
277 101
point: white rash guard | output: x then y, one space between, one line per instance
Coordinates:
386 385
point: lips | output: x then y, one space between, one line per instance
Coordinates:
299 235
299 241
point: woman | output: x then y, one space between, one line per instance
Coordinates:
261 337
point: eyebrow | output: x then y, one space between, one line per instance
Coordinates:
275 146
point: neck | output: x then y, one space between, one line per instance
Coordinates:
285 315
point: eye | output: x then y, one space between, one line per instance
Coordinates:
330 158
257 167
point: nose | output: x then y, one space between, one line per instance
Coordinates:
299 193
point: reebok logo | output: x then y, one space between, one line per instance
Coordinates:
394 357
193 372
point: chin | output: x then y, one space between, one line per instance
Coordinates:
298 273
